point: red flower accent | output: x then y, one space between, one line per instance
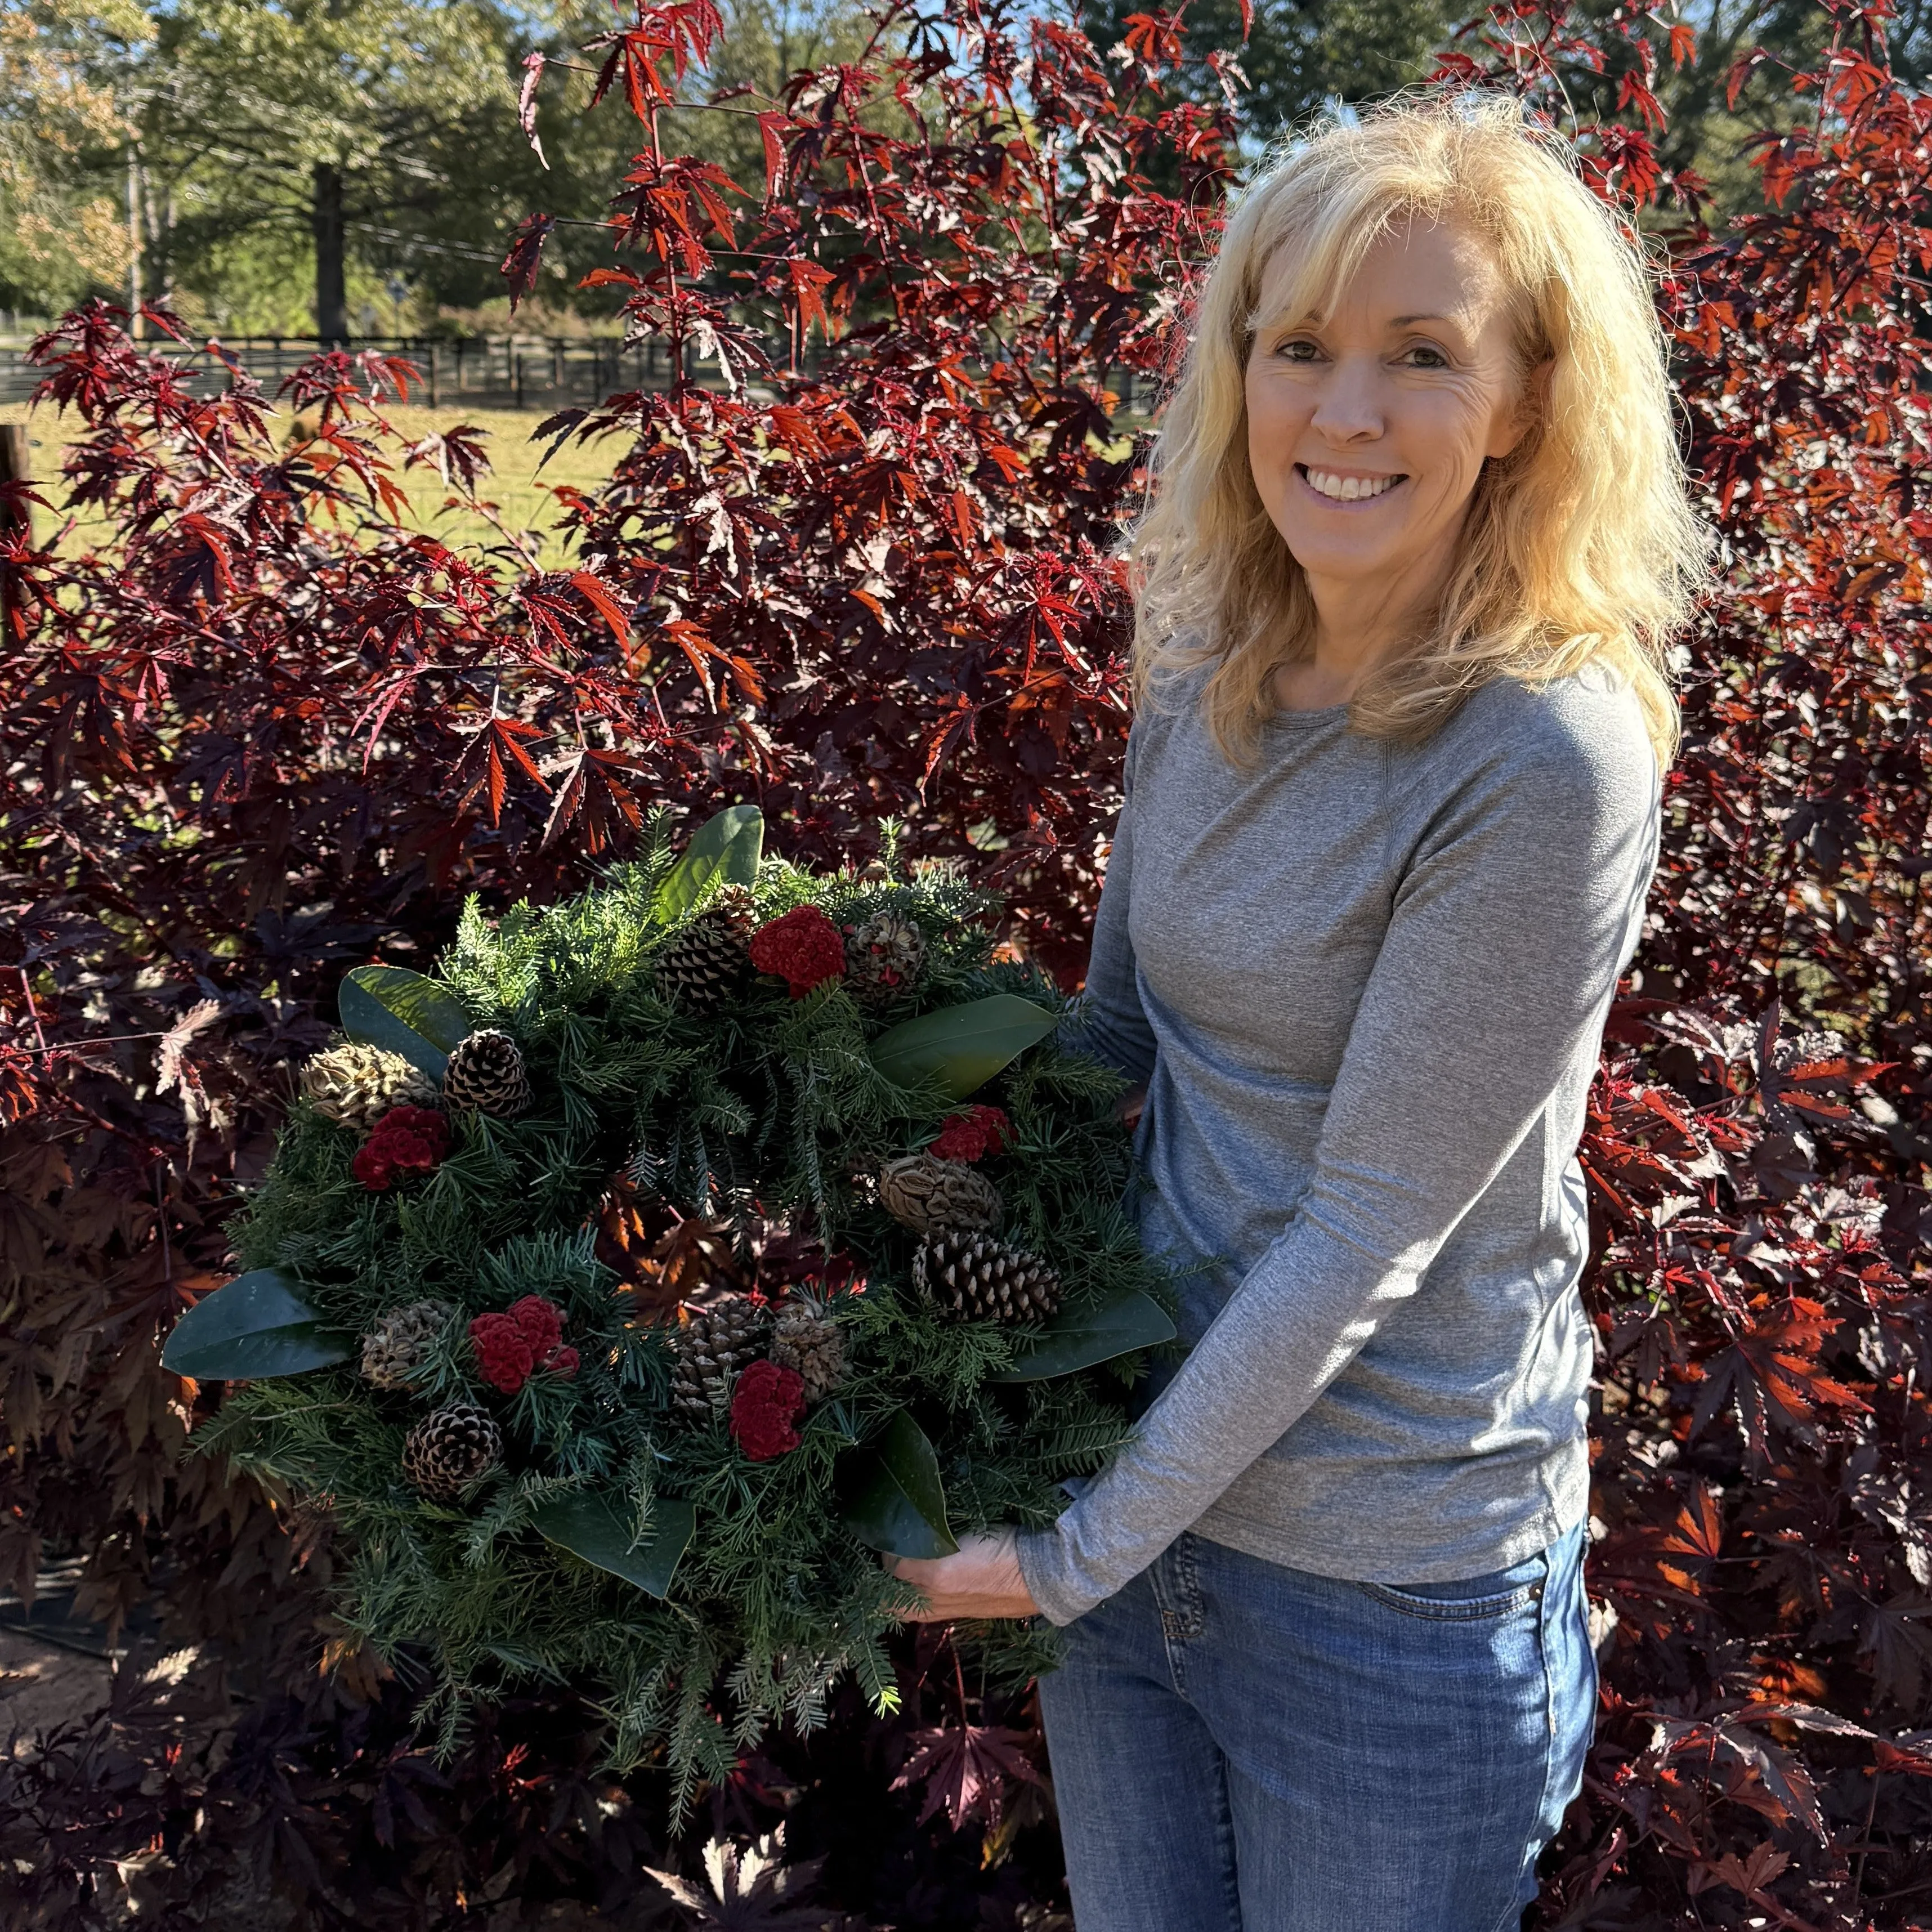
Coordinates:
406 1140
970 1135
509 1346
766 1406
802 948
503 1351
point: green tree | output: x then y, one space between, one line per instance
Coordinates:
358 125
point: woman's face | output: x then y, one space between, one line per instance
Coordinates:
1368 426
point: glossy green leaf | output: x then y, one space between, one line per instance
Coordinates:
597 1528
255 1326
961 1047
893 1499
1078 1341
726 847
401 1012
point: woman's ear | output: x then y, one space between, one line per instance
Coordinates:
1512 425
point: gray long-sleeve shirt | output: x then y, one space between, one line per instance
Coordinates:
1366 985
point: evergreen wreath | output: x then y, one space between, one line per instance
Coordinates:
626 1287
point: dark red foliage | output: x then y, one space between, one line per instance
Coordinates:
854 562
405 1140
765 1405
801 947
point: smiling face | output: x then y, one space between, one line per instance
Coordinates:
1368 425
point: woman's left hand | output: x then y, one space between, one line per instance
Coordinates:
981 1578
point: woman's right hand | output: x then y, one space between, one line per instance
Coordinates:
1129 1105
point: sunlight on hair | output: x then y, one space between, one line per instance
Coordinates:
1581 547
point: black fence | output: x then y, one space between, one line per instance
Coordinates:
503 372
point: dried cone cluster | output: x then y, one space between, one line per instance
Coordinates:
707 965
395 1351
447 1451
884 956
357 1085
982 1279
930 1196
712 1344
805 1338
486 1075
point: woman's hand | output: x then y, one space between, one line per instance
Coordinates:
1131 1106
981 1578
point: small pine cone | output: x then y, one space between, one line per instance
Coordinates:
884 958
487 1073
984 1280
928 1195
711 1344
395 1351
357 1084
448 1450
706 966
806 1338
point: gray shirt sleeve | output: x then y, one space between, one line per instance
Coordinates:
1109 1022
1511 922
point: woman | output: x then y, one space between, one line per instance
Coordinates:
1419 535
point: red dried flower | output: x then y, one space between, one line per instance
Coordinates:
406 1140
765 1406
803 948
510 1345
971 1134
504 1355
542 1320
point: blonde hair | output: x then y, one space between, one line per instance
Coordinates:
1580 546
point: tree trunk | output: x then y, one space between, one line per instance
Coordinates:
331 296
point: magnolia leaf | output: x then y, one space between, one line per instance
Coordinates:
893 1499
401 1012
961 1048
1078 1341
255 1326
726 847
597 1528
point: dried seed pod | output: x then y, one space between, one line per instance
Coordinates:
928 1194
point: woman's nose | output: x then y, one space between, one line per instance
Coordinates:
1349 408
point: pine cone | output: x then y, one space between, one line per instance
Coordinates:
707 966
448 1450
806 1338
487 1073
395 1351
883 958
983 1280
357 1084
711 1344
928 1194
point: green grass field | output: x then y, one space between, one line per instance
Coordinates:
521 497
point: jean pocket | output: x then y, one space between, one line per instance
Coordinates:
1479 1599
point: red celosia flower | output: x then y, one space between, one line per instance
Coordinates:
503 1352
802 948
406 1140
542 1320
766 1406
509 1346
977 1132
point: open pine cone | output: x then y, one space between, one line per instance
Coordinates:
706 966
487 1073
805 1338
981 1279
447 1451
395 1351
711 1344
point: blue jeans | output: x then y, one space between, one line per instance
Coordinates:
1237 1746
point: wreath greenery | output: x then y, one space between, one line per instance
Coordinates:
623 1289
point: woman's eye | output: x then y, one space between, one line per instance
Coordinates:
1425 355
1298 349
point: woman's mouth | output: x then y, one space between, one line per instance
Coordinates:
1333 487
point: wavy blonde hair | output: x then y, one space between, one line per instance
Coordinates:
1581 546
